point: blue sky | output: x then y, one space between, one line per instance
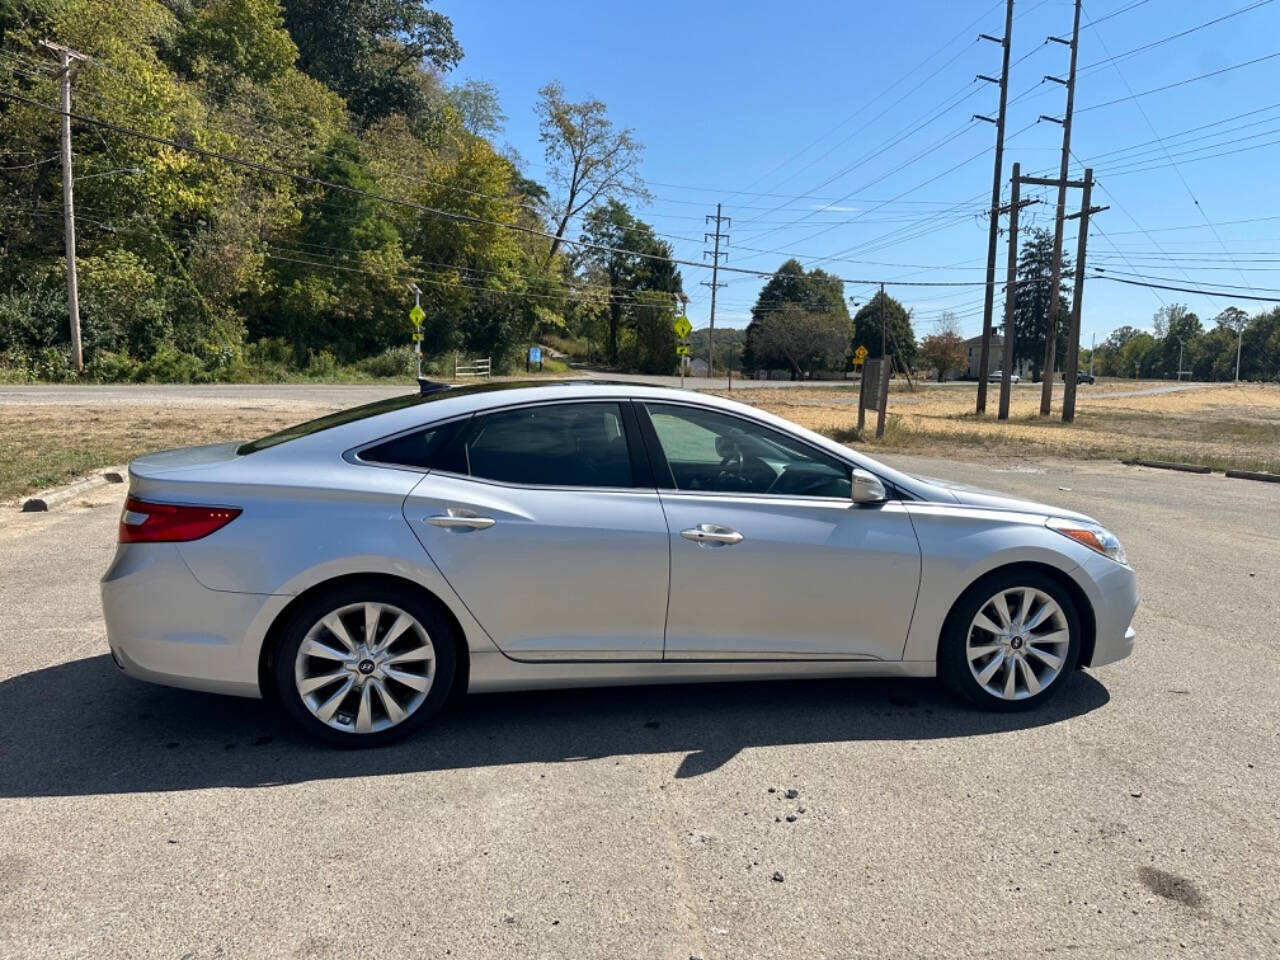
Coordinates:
839 132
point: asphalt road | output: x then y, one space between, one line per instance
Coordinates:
1136 816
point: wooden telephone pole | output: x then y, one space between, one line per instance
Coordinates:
68 59
1073 337
1010 289
1055 276
988 304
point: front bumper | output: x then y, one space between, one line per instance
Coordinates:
1113 593
164 627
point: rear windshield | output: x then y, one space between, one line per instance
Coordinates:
331 420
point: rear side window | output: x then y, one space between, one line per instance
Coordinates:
566 445
436 448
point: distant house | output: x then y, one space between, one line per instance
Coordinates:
697 367
973 355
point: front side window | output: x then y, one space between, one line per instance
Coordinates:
719 453
563 444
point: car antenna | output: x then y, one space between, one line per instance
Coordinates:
427 387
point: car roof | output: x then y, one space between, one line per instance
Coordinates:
363 425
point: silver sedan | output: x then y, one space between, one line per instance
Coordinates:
359 568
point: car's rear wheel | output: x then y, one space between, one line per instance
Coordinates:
1011 641
364 664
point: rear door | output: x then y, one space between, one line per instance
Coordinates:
770 559
545 522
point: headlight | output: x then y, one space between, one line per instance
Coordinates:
1092 535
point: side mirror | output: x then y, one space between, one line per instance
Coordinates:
866 487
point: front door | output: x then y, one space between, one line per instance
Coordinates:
547 534
769 557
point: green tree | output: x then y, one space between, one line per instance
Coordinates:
476 103
883 313
244 37
374 52
630 259
1031 310
589 161
800 340
814 291
345 273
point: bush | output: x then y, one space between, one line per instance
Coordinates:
322 363
110 367
169 365
391 362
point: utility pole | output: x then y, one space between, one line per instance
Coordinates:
1010 295
1055 276
1070 365
68 59
884 324
1239 342
716 254
988 303
1093 348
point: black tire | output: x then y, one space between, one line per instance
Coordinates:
953 665
443 642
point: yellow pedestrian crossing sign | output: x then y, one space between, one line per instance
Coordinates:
682 351
859 355
416 316
683 327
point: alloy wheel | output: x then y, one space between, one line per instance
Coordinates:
364 667
1017 643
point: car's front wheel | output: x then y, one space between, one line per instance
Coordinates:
364 664
1011 641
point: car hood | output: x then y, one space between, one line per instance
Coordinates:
946 491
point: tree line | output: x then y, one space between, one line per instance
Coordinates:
309 161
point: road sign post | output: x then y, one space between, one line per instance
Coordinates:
416 316
682 328
534 356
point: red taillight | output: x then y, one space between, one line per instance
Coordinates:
144 522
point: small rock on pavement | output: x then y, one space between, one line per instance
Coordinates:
792 793
791 818
1135 793
778 877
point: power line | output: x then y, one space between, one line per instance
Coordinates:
1173 36
424 208
1179 83
1150 126
1225 294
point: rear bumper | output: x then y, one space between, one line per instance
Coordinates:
164 627
1113 592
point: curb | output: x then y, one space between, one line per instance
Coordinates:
1251 475
1169 465
41 502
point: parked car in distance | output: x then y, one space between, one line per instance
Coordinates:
1083 376
360 568
999 375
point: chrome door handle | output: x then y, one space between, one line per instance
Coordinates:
712 533
458 520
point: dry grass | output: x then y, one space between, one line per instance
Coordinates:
1218 426
45 445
